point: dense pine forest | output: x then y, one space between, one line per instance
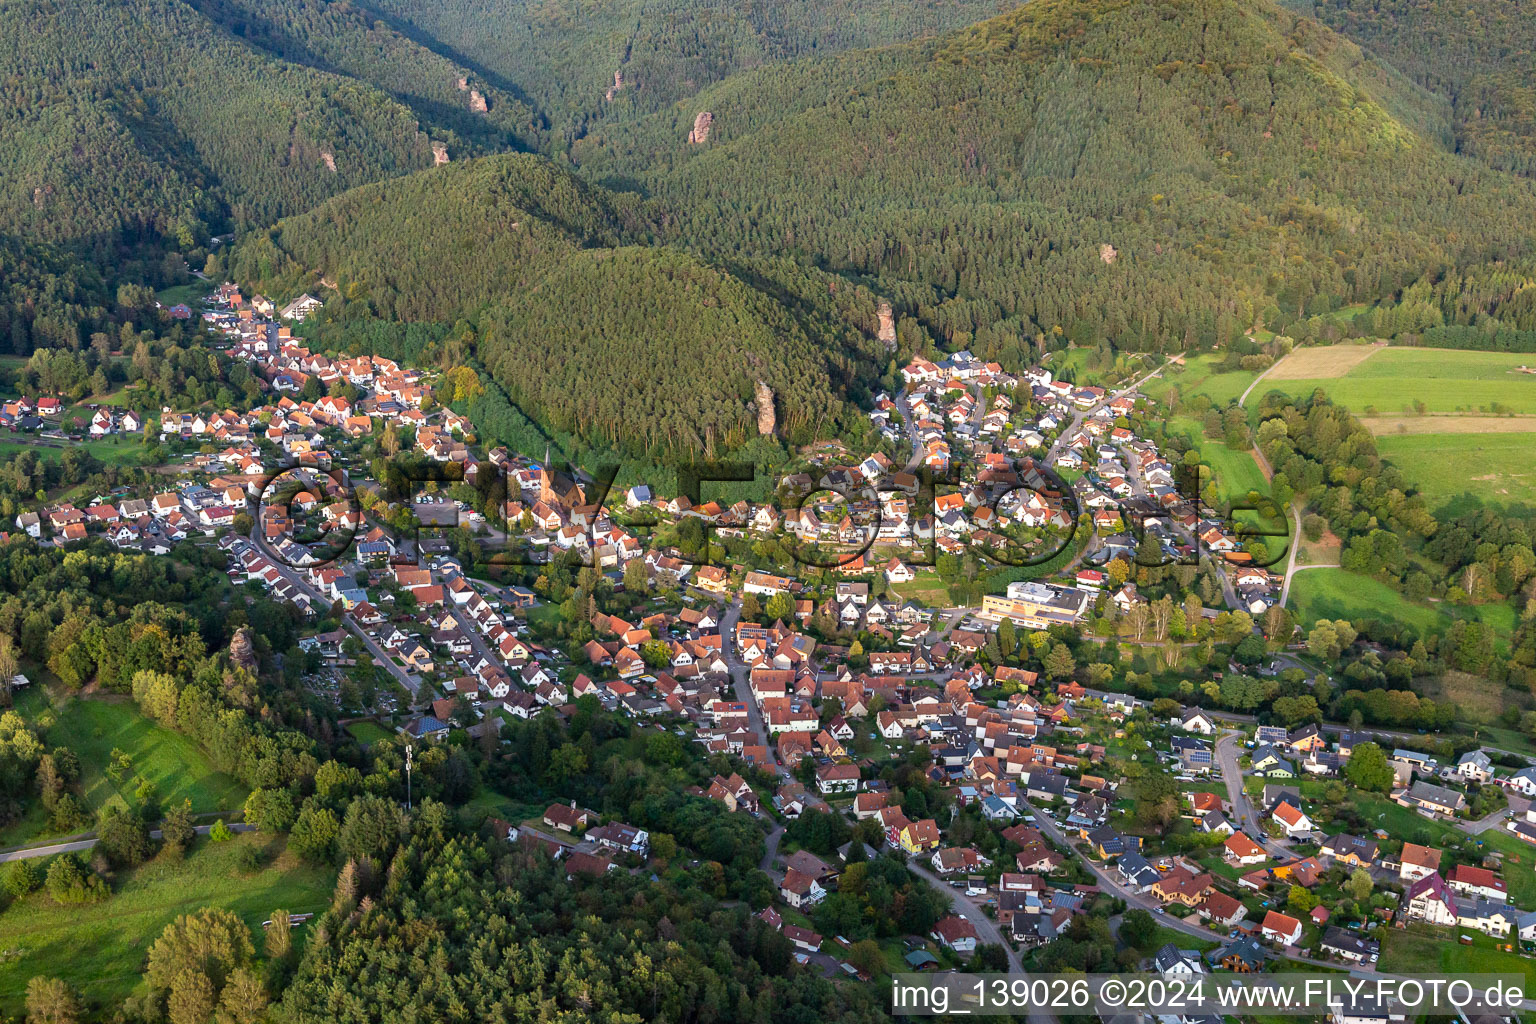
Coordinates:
1480 55
146 118
1242 164
643 348
563 54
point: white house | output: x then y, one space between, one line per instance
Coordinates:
1523 782
1292 819
1475 766
1429 900
1196 720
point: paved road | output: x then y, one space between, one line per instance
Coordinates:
741 679
986 928
1495 820
1242 808
476 641
910 426
297 579
771 849
1244 399
32 852
1292 569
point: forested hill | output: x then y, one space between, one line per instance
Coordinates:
590 330
1155 172
437 245
130 119
1480 53
346 38
563 54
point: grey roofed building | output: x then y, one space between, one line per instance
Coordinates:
1350 945
1427 794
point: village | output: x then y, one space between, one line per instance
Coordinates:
1030 805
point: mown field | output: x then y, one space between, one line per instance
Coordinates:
1458 471
1412 380
1324 361
191 292
93 728
369 732
100 949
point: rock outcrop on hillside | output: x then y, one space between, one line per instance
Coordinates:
887 330
242 649
767 419
701 126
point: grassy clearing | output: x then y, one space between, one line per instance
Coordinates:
543 616
1201 376
1460 471
1340 594
93 728
928 589
368 732
189 294
100 949
1236 473
122 452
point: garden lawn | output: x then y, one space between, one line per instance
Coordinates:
368 732
927 588
1422 951
1519 865
100 949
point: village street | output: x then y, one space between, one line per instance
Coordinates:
293 576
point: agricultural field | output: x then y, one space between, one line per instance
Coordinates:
1457 471
100 949
1413 381
1321 361
93 728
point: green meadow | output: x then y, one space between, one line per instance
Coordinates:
93 728
100 949
1458 471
